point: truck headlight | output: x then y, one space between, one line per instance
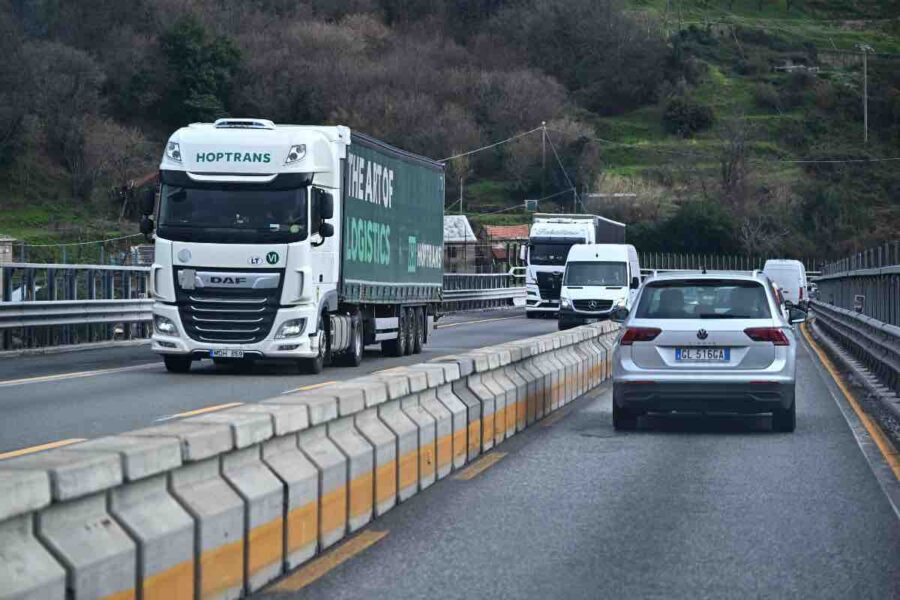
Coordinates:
164 326
173 151
290 329
565 303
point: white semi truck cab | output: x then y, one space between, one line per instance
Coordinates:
292 242
550 238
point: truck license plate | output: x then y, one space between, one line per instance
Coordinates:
226 353
702 354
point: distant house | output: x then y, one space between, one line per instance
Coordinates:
460 245
505 241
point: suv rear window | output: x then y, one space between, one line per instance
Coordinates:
704 299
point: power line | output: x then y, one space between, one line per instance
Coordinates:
115 239
489 146
565 173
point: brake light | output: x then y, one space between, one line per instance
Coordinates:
767 334
639 334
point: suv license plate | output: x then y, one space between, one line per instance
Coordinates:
226 353
702 354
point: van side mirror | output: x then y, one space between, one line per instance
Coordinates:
326 204
326 230
795 315
146 225
635 283
618 314
148 202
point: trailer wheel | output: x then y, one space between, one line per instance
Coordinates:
411 327
397 346
419 334
354 354
313 366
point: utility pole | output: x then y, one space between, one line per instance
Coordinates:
460 195
865 49
543 158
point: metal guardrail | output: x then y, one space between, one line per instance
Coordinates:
868 283
874 343
54 304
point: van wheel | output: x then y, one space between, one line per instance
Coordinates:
353 356
397 346
314 366
178 364
419 337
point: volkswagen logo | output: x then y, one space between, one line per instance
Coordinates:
702 335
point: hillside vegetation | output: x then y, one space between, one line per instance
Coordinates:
684 118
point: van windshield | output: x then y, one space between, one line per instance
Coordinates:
611 274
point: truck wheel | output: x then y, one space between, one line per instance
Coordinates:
397 346
313 366
411 326
177 364
353 356
419 337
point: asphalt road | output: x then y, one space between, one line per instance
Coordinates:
87 394
685 507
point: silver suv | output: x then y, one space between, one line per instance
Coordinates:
706 342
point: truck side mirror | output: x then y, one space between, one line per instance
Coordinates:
326 230
326 205
523 252
146 225
635 283
148 202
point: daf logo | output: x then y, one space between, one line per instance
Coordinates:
184 255
225 280
702 334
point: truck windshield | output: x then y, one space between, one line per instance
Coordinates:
232 214
549 254
612 274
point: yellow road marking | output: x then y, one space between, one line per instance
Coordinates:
75 375
199 411
473 322
33 449
890 454
479 466
309 387
331 560
553 418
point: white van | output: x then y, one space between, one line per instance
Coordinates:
790 275
597 279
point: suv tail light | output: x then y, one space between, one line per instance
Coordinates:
768 334
639 334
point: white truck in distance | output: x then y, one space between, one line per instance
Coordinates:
302 243
549 241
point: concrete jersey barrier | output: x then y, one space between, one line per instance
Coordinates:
219 505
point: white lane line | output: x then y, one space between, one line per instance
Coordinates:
76 375
439 326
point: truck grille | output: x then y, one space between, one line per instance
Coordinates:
228 316
592 305
549 284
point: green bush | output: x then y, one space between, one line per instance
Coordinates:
685 116
766 97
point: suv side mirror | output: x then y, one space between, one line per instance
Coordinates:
326 230
146 225
619 314
795 315
148 202
326 204
635 283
